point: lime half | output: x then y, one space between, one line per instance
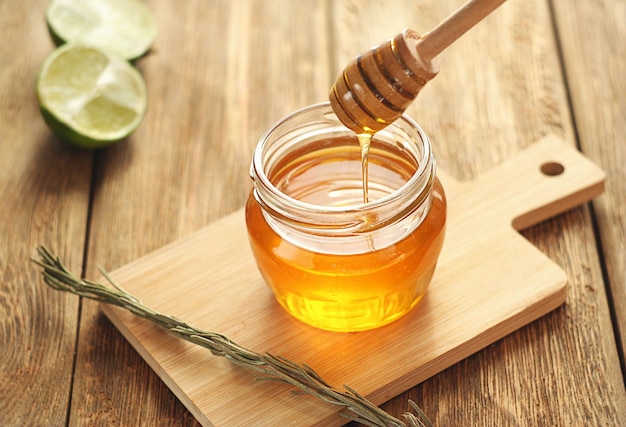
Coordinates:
123 27
90 98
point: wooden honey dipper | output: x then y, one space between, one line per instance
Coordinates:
379 85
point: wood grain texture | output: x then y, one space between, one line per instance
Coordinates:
221 73
44 193
499 87
593 39
471 13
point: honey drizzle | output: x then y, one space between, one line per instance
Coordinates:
365 141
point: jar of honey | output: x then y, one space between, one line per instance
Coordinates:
333 258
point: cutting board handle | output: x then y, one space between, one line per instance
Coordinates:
547 178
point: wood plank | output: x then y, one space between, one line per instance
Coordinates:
499 88
593 40
221 73
44 188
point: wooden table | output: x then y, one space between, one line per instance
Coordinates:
221 72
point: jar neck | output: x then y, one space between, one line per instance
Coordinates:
408 203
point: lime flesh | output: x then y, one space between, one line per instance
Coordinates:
90 98
123 27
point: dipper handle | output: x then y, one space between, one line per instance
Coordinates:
454 26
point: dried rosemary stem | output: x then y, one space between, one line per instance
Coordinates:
356 407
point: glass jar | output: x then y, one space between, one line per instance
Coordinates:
330 259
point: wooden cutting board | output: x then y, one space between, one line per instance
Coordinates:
490 281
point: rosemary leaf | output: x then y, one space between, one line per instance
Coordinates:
276 368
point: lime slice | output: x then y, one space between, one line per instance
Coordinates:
123 27
90 98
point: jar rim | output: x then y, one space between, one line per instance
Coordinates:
425 167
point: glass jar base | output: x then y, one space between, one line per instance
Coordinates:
351 316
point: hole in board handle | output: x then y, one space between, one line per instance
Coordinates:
552 168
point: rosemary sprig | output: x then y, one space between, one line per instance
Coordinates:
303 377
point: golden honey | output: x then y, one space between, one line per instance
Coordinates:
331 259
